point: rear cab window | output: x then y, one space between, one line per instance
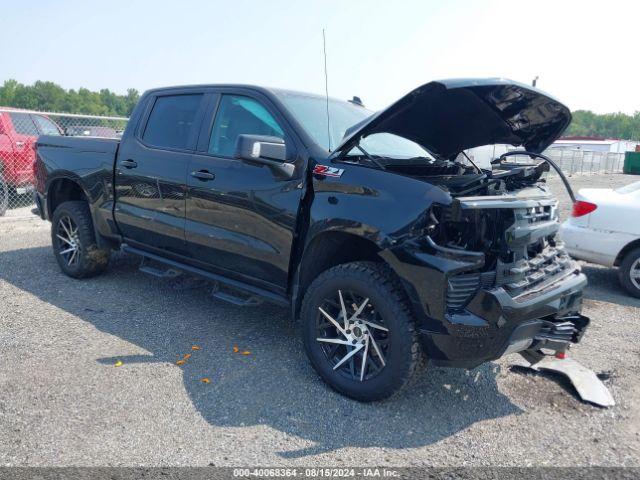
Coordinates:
171 121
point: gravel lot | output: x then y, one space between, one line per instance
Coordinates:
64 403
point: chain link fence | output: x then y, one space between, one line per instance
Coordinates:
581 162
572 162
19 131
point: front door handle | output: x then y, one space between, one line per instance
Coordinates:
129 164
203 175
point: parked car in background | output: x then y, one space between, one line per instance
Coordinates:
604 228
19 131
91 131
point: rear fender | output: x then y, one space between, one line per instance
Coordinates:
89 163
50 188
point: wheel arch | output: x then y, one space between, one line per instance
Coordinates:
64 189
626 249
326 250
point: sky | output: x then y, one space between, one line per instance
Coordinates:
585 53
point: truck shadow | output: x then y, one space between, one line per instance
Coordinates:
273 386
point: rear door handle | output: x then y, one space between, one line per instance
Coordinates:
203 175
19 144
128 164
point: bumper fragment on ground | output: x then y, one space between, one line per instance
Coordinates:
587 384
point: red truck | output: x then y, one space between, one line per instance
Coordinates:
19 131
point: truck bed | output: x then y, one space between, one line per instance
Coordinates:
79 144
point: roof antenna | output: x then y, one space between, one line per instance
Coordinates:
326 85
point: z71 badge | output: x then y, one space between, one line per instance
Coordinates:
328 171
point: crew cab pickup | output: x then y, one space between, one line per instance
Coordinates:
386 242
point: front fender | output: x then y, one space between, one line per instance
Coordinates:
378 205
388 210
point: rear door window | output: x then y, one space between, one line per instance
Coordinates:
171 121
238 115
46 126
23 124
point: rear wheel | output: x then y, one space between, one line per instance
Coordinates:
629 272
74 243
358 331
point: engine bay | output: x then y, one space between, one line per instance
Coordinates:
459 179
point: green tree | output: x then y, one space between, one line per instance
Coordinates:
613 125
48 96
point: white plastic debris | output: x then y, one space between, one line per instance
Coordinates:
586 382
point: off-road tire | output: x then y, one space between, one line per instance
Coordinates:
92 260
404 354
624 272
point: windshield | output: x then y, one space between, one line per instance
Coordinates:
311 112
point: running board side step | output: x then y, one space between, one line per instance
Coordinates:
235 298
157 272
252 293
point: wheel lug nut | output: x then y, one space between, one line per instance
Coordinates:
354 341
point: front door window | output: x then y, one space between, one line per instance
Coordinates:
238 115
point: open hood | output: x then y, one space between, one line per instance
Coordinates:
448 116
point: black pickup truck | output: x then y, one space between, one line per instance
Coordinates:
388 243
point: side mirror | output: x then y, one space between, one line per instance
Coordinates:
271 151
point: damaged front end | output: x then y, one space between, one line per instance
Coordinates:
488 275
483 266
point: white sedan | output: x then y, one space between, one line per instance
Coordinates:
604 228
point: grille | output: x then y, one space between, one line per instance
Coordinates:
538 214
529 273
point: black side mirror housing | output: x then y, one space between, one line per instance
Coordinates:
266 150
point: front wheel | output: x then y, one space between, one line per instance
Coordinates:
630 272
358 332
74 242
